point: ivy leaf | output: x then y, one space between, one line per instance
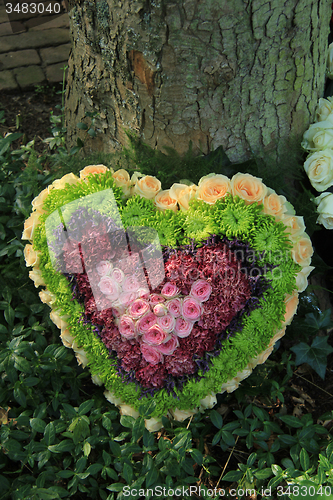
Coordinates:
315 355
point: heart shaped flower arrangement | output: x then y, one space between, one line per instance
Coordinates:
171 295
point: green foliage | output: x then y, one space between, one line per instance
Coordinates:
315 355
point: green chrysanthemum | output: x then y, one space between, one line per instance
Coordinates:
234 217
166 223
137 210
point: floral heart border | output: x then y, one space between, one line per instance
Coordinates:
225 207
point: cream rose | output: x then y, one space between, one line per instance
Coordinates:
81 357
153 424
181 415
67 338
302 251
36 276
30 225
96 380
147 187
163 201
212 187
59 319
128 410
38 202
319 168
66 179
274 204
264 355
302 278
183 194
294 224
32 257
243 374
291 303
208 402
277 336
229 386
249 188
47 297
325 109
92 169
329 62
318 136
112 398
122 180
325 210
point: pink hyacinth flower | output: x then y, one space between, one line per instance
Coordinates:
183 327
151 354
201 290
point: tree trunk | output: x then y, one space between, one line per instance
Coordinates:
244 74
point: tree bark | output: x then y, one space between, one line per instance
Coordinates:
244 74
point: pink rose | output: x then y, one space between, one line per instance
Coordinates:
192 309
201 290
155 336
169 291
104 268
127 327
125 298
167 323
146 322
156 298
160 310
109 287
169 347
143 293
130 284
174 307
138 308
151 354
118 275
183 327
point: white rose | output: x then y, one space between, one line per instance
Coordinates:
318 136
230 386
128 410
112 398
329 62
302 278
319 168
208 402
181 415
96 380
81 357
243 374
67 338
325 109
325 210
36 276
153 424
